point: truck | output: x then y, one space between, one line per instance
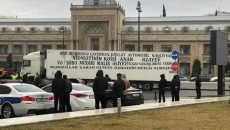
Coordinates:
142 68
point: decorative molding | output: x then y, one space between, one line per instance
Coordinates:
185 29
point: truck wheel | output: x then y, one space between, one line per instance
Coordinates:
147 87
135 85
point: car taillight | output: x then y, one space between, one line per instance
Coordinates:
51 98
130 94
27 98
79 95
83 82
141 93
3 81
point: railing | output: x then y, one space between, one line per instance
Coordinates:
102 6
35 33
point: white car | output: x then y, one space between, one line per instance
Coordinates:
215 79
81 97
22 99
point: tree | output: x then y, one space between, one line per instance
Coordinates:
164 11
9 60
196 69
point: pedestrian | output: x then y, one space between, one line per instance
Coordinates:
68 90
58 88
25 78
6 75
127 86
37 80
198 86
14 76
100 85
118 89
162 84
107 77
175 88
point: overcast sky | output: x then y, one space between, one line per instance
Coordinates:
61 8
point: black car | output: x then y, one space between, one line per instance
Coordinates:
134 97
203 78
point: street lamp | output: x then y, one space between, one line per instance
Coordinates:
139 11
63 31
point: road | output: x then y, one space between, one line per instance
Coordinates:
149 95
204 85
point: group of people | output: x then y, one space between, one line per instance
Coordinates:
13 76
100 85
175 87
61 87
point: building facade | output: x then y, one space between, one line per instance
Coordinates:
102 25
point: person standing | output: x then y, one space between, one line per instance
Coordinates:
198 85
58 88
14 76
118 89
99 86
175 88
25 78
37 80
107 77
127 86
68 90
162 84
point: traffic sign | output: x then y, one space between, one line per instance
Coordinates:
175 55
174 66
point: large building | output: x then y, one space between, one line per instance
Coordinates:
96 23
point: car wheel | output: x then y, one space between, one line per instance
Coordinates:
147 87
109 103
7 111
135 85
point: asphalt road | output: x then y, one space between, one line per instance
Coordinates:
204 85
149 95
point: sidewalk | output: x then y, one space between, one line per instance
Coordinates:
101 112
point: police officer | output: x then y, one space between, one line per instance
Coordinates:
14 76
198 85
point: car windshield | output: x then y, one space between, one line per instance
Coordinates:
27 88
81 87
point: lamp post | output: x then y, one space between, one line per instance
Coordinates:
63 31
139 12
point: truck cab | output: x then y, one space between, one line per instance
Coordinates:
32 64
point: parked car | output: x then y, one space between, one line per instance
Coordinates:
134 97
81 97
204 78
215 79
183 78
22 99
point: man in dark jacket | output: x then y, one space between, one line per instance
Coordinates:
25 78
58 88
99 86
162 84
68 90
198 85
118 89
175 88
107 77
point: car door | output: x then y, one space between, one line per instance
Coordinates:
4 95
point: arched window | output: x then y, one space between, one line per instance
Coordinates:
228 29
32 30
4 29
108 2
94 29
185 29
209 28
18 30
47 29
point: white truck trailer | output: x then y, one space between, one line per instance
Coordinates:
142 68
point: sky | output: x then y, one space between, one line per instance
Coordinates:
150 8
